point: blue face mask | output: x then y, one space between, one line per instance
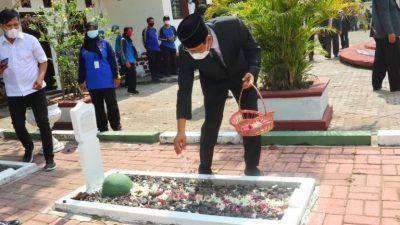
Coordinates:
93 33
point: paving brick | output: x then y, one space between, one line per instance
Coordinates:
346 168
364 196
325 191
374 159
355 207
363 189
332 167
391 204
8 210
340 192
361 219
389 170
390 221
391 213
390 194
372 208
316 218
374 180
333 219
45 218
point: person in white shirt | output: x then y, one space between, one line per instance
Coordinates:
20 55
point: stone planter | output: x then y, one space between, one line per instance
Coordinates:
299 202
54 115
64 123
306 109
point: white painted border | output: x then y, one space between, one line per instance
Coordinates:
298 203
297 108
11 175
388 137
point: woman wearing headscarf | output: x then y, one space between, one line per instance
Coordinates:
98 73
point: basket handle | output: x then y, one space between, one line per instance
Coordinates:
259 94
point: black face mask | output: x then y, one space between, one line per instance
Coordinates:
151 24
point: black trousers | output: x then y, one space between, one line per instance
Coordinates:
344 39
108 96
169 55
38 103
215 93
154 63
332 44
386 59
130 77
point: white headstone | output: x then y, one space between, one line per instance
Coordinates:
84 123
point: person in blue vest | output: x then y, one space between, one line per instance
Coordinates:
129 57
150 42
167 36
98 73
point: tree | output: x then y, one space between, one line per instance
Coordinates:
283 29
62 26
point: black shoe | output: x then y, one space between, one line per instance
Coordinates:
50 165
155 80
28 156
11 222
252 172
118 128
203 170
135 92
394 90
328 56
377 88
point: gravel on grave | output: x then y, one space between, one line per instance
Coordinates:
201 196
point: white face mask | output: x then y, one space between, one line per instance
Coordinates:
13 33
167 22
202 55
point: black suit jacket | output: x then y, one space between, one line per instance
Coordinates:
241 54
344 23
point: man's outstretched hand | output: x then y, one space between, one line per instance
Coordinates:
180 143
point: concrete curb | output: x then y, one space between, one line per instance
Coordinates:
320 138
388 137
116 136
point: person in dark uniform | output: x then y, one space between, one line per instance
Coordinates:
228 58
331 39
344 24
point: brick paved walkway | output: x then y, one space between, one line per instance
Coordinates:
357 185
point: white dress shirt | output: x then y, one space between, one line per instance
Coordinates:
23 55
215 45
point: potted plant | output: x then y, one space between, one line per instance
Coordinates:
283 29
62 26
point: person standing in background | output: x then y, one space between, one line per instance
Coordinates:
150 42
98 73
344 23
167 36
129 57
386 31
23 67
331 38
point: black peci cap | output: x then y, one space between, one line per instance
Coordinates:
92 24
192 31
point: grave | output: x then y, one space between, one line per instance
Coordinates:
11 171
286 199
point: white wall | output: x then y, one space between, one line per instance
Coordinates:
133 13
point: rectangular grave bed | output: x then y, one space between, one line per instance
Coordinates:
11 171
249 192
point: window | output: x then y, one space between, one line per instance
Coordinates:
26 3
88 3
180 8
176 6
47 3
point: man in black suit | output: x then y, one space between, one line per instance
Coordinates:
228 58
344 24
